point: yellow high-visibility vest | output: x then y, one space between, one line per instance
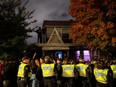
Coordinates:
21 70
101 75
113 67
47 70
82 69
68 70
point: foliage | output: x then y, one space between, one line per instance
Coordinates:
94 26
14 26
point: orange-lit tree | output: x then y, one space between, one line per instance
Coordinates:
94 25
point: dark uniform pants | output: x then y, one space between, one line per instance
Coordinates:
68 82
49 82
82 82
114 82
101 85
22 83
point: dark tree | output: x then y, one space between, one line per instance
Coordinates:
14 25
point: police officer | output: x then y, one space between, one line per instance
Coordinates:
113 68
48 73
81 67
68 73
102 75
24 73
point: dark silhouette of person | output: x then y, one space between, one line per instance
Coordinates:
39 33
44 34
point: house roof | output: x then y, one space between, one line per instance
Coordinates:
55 48
56 23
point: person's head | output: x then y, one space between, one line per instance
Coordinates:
65 61
37 62
39 28
26 59
93 62
71 61
81 60
101 64
58 60
46 58
41 60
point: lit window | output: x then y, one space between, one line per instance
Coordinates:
77 55
86 55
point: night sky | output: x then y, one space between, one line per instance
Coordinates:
47 10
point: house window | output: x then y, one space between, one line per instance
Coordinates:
65 36
59 54
77 55
86 54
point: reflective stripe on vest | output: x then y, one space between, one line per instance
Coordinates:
113 67
47 70
82 69
101 75
21 70
68 70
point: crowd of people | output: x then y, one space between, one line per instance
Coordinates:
50 72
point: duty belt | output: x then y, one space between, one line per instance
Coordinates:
20 78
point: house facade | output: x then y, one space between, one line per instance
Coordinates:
57 43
